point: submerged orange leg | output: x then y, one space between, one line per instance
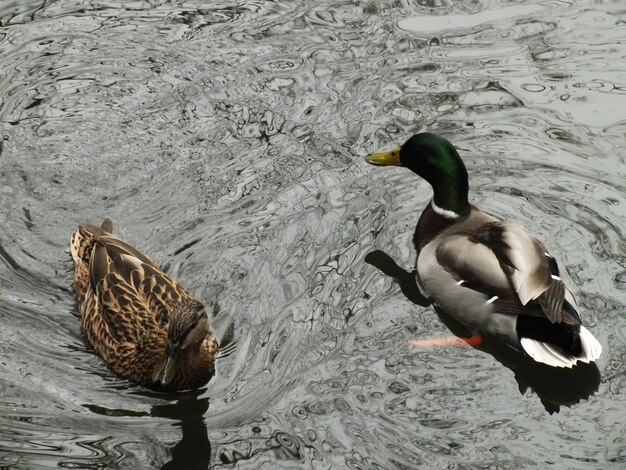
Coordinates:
473 340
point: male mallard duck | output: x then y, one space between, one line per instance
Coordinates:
142 323
490 275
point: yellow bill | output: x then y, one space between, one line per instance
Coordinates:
391 157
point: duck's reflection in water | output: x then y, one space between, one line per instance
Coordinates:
554 386
194 449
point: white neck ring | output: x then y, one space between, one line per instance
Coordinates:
444 212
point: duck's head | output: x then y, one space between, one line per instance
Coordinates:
188 328
436 160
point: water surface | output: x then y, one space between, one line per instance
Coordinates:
225 140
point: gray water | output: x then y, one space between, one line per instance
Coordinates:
225 139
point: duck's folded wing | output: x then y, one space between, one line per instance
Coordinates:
135 274
505 261
123 280
112 255
161 290
116 247
125 312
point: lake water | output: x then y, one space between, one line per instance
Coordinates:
225 139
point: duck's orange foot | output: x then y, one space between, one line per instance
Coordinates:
451 340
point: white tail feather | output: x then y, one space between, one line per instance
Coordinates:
591 346
542 352
553 356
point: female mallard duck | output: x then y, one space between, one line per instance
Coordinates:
490 275
142 323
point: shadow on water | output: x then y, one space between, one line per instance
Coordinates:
555 387
193 451
405 279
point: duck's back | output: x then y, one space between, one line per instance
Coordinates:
124 300
496 278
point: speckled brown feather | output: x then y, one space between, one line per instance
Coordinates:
126 302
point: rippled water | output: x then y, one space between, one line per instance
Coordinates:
225 140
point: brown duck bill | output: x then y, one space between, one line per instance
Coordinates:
390 157
166 370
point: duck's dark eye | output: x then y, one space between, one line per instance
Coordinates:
197 333
184 320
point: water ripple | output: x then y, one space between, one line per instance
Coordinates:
225 140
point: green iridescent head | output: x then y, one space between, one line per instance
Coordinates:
436 160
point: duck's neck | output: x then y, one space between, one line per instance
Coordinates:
450 192
432 222
445 213
438 162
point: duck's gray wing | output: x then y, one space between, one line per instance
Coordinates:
505 261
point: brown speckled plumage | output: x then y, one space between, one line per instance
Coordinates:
136 317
